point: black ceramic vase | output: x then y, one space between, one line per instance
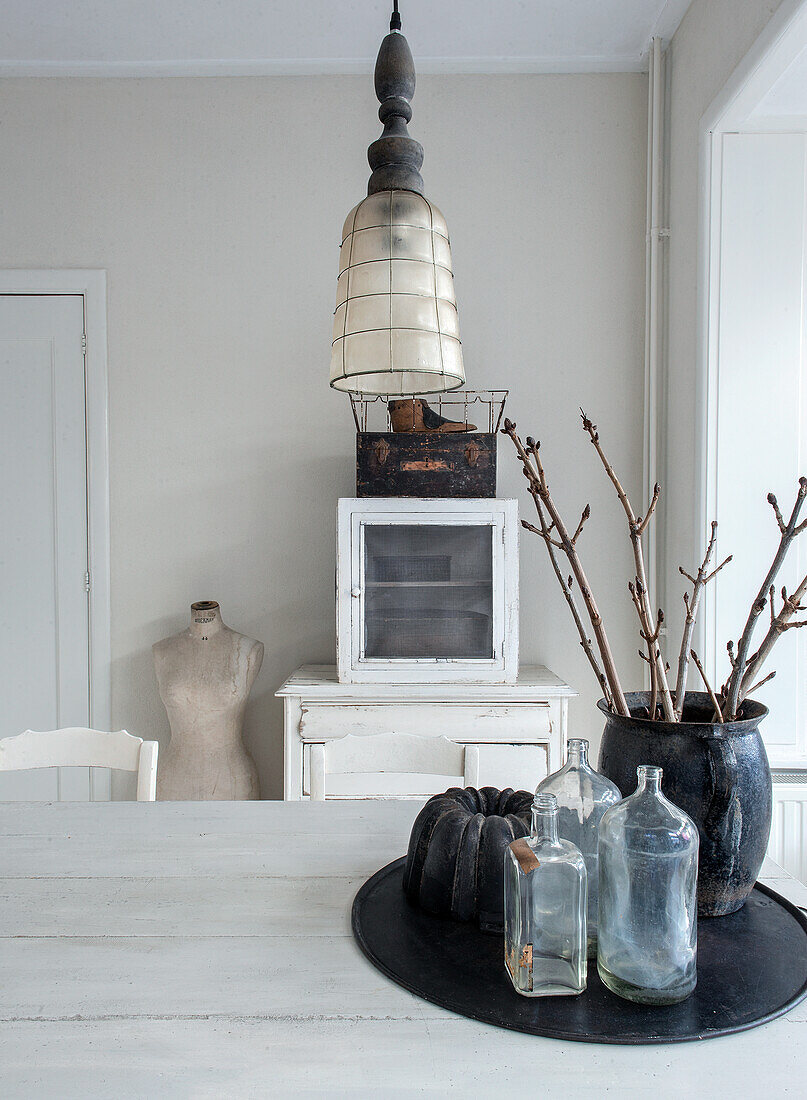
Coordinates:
718 774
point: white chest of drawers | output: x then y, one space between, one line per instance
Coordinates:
520 728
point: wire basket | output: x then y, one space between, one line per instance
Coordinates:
484 407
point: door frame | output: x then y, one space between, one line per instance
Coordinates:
91 285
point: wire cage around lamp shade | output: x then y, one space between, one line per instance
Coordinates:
395 328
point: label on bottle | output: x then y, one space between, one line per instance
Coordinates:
527 859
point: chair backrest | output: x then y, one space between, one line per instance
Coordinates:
84 748
392 752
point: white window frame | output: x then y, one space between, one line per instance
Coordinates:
782 40
91 285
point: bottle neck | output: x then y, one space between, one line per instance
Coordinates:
577 752
545 823
649 780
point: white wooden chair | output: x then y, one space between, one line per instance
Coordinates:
392 752
84 748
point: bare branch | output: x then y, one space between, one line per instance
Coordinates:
708 686
586 514
635 531
542 534
539 489
759 683
779 624
747 669
653 690
650 510
566 587
551 541
692 604
779 518
714 572
650 637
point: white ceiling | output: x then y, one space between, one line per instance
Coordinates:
167 37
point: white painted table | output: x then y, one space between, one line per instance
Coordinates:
204 950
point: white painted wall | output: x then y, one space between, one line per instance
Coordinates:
215 205
712 39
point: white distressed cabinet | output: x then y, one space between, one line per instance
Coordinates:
427 591
519 728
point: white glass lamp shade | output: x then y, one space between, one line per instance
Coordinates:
395 328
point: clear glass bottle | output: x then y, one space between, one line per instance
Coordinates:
583 797
545 908
648 907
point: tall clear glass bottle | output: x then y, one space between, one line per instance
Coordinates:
583 797
648 906
545 908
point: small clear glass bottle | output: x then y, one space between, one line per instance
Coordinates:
648 896
583 797
545 908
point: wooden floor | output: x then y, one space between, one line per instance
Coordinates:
204 950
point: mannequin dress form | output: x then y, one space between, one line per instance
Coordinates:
205 674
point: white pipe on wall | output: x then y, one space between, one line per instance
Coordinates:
653 295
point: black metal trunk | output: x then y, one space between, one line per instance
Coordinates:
426 464
718 774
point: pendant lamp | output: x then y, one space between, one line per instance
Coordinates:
395 328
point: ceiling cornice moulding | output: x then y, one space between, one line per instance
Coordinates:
503 66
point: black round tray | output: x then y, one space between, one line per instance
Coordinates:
752 967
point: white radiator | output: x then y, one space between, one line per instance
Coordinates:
788 843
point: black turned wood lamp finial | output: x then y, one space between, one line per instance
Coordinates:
395 157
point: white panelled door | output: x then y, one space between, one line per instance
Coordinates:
44 626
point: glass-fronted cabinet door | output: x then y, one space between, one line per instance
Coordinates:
427 590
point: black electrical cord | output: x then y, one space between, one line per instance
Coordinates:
395 19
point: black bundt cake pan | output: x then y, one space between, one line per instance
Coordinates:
455 863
